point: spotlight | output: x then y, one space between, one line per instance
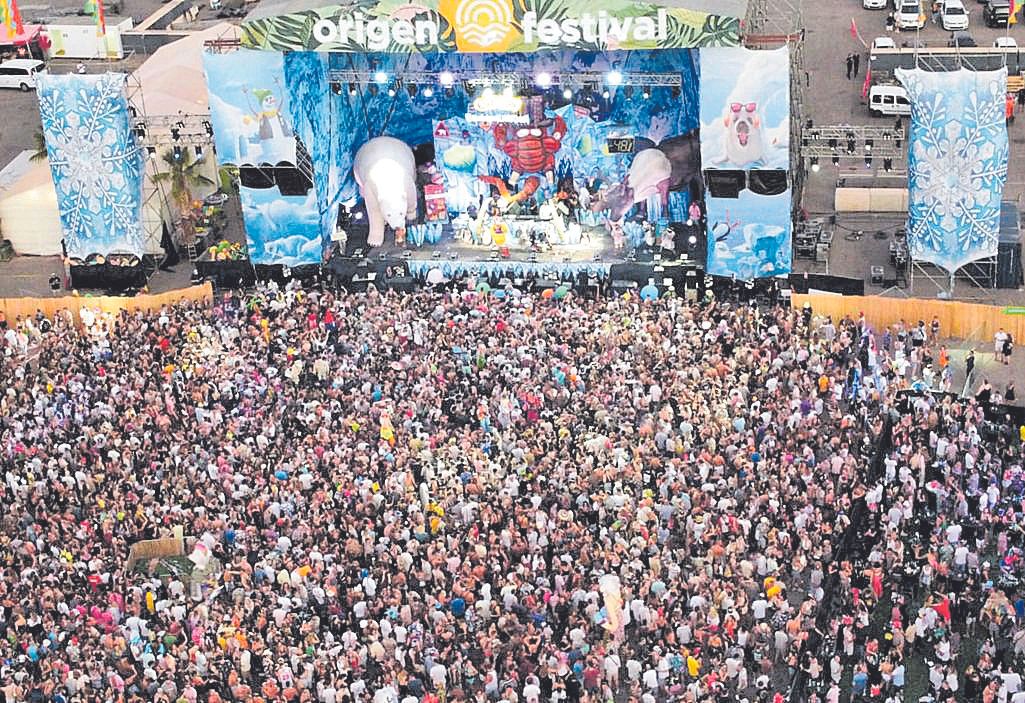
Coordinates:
489 92
132 111
887 165
804 141
900 142
851 146
868 162
568 94
412 90
507 91
832 144
391 92
140 130
815 164
605 94
446 78
152 151
868 144
199 151
380 77
336 88
836 160
810 123
208 127
543 80
181 124
175 133
177 153
428 92
614 78
645 95
692 240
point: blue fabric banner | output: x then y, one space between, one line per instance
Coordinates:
957 163
96 163
749 236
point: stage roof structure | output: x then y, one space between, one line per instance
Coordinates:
491 26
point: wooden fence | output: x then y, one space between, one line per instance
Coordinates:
969 321
13 308
155 549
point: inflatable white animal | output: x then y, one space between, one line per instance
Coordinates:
385 172
744 144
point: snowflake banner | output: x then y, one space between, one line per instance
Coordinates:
96 163
957 164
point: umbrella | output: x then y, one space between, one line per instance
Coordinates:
547 293
561 292
483 287
281 475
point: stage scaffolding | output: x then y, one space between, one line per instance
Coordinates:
770 24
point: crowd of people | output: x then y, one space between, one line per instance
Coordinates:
456 496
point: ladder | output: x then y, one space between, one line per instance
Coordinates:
190 249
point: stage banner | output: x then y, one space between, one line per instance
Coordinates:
957 163
97 166
249 108
749 236
498 26
281 229
745 108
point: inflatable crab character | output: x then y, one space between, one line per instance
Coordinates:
532 149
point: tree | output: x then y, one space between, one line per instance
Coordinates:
183 175
38 147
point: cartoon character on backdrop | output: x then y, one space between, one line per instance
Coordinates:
533 148
267 114
385 171
744 142
508 200
672 165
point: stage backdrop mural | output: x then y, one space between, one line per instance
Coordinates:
476 26
96 163
957 162
749 236
745 108
463 154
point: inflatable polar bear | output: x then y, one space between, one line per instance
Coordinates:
385 171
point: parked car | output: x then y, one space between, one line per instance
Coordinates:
961 40
954 16
1005 43
874 4
909 15
883 43
20 73
996 13
888 99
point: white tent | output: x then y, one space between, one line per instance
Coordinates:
28 207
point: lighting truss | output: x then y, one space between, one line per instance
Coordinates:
486 78
160 130
835 140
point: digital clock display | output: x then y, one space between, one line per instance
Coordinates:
620 145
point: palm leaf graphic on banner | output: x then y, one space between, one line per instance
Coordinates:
720 30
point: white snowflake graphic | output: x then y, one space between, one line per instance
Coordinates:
958 164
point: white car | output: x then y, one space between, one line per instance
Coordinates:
883 43
1005 43
874 4
954 16
909 15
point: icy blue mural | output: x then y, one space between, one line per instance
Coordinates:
749 236
957 162
745 108
281 229
96 164
249 107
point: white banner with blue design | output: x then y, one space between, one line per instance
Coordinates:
97 165
957 164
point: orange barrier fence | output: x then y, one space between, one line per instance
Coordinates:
13 308
968 321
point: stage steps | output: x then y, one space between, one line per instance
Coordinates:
192 251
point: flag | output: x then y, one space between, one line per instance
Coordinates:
1012 10
101 20
10 17
854 29
868 82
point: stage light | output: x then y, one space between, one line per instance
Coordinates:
372 89
132 111
152 151
352 89
869 144
543 80
446 78
181 124
614 78
815 164
428 92
692 240
868 162
887 165
208 127
380 77
605 94
507 91
489 92
199 151
391 92
832 144
568 94
336 88
175 134
645 95
676 91
628 92
851 146
836 160
412 90
140 130
176 153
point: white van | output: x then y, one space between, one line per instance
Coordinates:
888 99
20 73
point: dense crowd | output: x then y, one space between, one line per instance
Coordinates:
460 497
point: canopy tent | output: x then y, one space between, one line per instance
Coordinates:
30 42
28 207
172 79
